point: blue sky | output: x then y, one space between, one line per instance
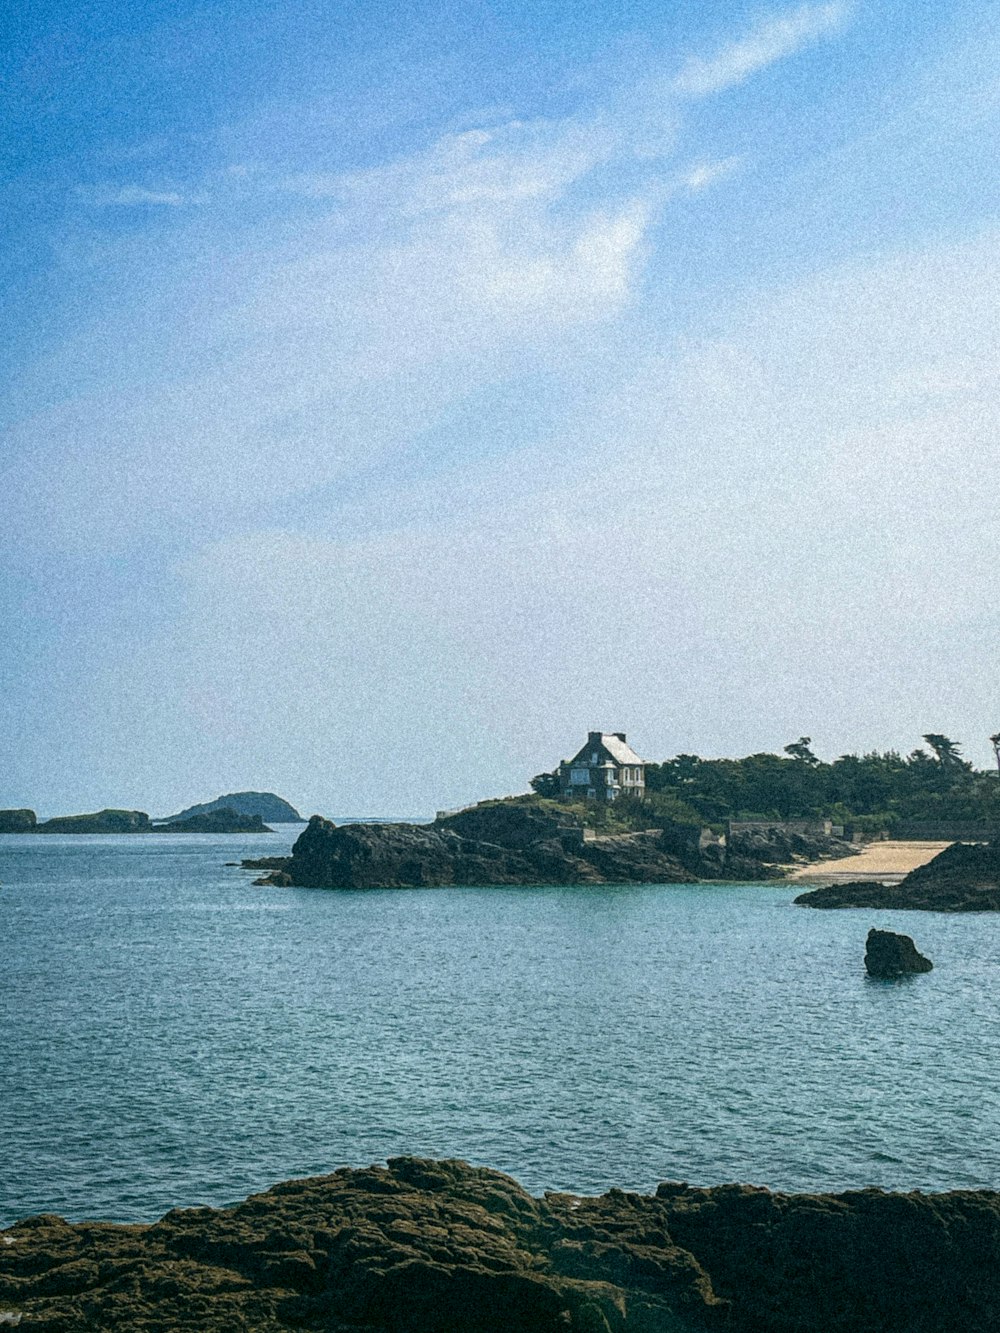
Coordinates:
392 394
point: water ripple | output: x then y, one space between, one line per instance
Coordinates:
172 1036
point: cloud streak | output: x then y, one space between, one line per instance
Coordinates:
772 40
137 196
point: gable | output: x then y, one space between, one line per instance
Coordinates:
609 747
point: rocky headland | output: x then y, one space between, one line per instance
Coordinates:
965 877
441 1247
502 842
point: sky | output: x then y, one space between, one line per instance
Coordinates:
394 393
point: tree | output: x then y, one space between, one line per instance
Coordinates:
946 752
545 784
800 750
995 742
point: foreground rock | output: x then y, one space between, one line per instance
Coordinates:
965 877
269 808
215 821
494 844
441 1247
890 955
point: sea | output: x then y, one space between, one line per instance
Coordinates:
172 1035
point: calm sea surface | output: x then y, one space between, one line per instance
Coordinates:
170 1035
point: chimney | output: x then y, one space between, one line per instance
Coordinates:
620 735
594 737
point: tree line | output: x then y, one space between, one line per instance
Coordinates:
869 791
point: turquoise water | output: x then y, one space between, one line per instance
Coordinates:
171 1035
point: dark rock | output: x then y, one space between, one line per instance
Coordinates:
216 821
854 893
262 862
890 955
363 856
965 877
441 1247
511 824
270 808
520 840
17 821
780 846
105 821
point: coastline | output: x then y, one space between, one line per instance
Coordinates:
885 862
425 1246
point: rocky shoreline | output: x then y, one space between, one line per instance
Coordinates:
519 842
965 877
442 1247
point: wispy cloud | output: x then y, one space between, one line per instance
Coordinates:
770 41
703 175
493 165
137 196
348 327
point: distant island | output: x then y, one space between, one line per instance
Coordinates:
18 821
270 808
103 821
965 877
214 817
223 820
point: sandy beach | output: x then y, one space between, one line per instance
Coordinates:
887 862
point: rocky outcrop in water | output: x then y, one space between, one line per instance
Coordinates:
965 877
496 843
269 808
17 821
441 1247
888 955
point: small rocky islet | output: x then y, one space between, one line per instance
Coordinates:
889 956
422 1246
